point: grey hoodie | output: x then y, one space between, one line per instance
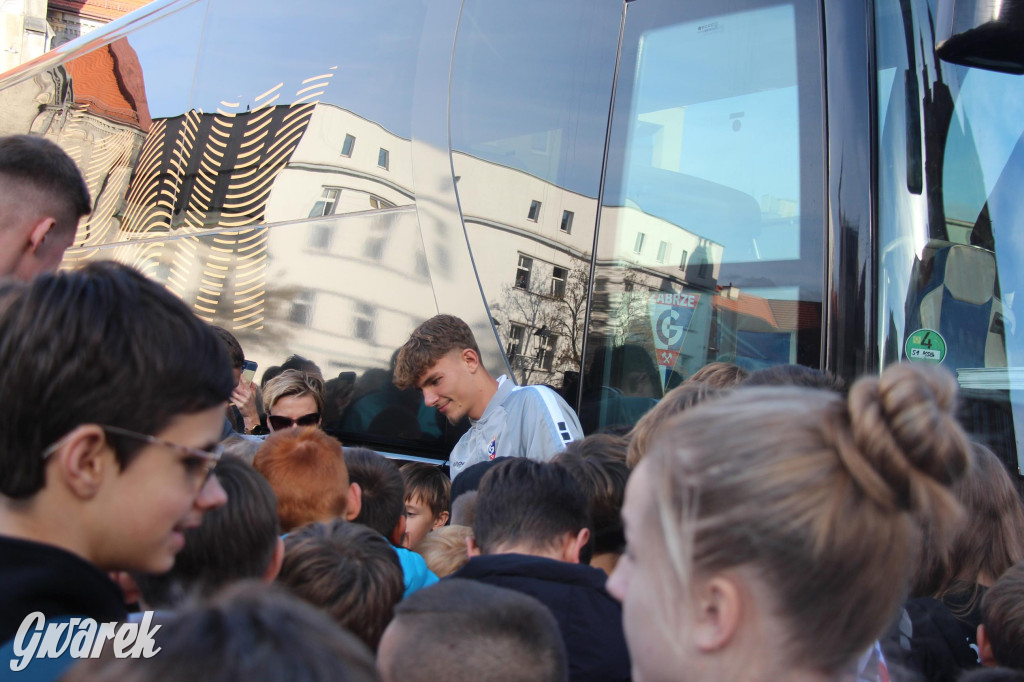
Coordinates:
519 421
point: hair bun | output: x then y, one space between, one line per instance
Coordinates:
907 446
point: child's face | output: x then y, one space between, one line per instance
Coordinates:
419 520
158 496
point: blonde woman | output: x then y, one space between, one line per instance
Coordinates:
769 532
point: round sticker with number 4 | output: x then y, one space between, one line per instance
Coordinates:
925 345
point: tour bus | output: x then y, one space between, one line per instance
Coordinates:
612 194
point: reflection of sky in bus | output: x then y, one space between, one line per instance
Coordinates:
988 109
714 118
736 105
251 46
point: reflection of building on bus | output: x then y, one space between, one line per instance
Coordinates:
360 286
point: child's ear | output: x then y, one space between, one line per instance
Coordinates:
276 561
355 502
985 654
397 536
440 520
472 549
83 459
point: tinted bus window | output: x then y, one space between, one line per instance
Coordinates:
951 164
711 227
531 93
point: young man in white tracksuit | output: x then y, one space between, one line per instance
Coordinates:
442 359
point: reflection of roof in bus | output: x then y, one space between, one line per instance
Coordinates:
748 306
786 315
109 80
102 10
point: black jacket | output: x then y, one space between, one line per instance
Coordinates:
38 577
589 618
937 637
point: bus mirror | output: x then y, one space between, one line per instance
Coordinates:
986 34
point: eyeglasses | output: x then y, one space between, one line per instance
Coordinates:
199 464
280 422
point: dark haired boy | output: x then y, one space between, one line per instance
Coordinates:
111 406
349 571
239 541
1001 633
248 632
531 524
427 490
486 633
442 359
382 510
42 196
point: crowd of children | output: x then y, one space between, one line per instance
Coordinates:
770 526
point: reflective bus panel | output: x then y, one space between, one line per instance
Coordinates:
612 194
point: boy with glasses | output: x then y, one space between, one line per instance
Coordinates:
111 404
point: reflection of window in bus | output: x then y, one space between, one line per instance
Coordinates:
523 271
566 225
516 334
558 278
326 203
348 145
546 350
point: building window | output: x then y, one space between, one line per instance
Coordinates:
534 211
301 311
682 260
383 158
348 145
326 203
364 321
663 251
558 278
377 202
566 225
523 272
546 343
516 335
638 245
320 237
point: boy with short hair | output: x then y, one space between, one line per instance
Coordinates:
248 632
427 490
531 523
485 633
111 407
442 359
383 495
306 470
42 198
349 571
1001 633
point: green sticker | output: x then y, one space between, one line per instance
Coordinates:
925 345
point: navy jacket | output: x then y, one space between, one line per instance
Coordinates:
589 618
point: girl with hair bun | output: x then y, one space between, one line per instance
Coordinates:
770 533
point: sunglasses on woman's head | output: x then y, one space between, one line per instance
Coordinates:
280 422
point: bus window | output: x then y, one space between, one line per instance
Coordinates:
710 234
951 164
531 91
